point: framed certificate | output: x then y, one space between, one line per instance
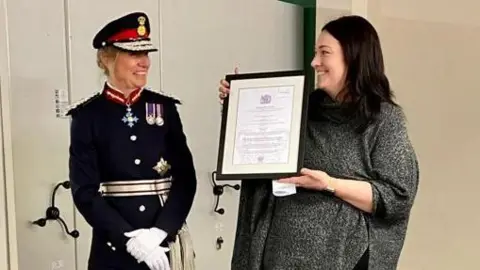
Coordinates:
263 126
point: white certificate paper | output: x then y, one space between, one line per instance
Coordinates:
262 123
264 120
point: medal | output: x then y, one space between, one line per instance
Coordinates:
159 119
150 113
129 118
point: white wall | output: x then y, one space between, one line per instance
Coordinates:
49 46
432 51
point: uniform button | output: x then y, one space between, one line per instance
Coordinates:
137 161
113 248
109 244
133 138
142 208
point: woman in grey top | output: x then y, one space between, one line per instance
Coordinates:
354 197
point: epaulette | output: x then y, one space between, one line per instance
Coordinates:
166 95
81 103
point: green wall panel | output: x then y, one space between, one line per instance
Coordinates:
308 41
303 3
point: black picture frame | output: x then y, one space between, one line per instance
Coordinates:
299 119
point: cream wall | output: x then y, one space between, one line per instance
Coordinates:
432 51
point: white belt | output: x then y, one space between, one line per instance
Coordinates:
136 187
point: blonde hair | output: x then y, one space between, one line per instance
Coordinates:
106 54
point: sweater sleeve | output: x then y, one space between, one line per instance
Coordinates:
395 168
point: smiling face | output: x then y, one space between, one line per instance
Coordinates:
329 64
127 70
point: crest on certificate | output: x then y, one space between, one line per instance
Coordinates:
265 99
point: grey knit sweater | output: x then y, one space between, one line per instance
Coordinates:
311 230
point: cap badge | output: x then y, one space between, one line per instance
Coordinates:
141 30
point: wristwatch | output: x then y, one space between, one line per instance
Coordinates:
330 189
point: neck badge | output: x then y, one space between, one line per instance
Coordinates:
130 119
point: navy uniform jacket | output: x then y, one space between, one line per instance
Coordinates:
104 148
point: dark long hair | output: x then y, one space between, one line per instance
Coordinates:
367 86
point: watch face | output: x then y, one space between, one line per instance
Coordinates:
329 189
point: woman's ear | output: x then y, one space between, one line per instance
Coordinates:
101 61
106 59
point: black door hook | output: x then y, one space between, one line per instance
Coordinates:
219 242
53 213
218 191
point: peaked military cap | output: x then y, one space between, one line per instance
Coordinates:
129 33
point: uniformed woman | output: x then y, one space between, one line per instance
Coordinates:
131 171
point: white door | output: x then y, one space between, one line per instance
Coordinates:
39 140
4 247
4 264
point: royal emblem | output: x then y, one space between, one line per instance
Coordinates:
141 30
162 167
129 118
265 99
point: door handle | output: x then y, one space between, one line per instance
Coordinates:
218 191
53 213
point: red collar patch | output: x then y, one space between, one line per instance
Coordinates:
118 97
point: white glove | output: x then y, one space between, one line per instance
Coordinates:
143 241
157 259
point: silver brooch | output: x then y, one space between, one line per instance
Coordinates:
162 167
